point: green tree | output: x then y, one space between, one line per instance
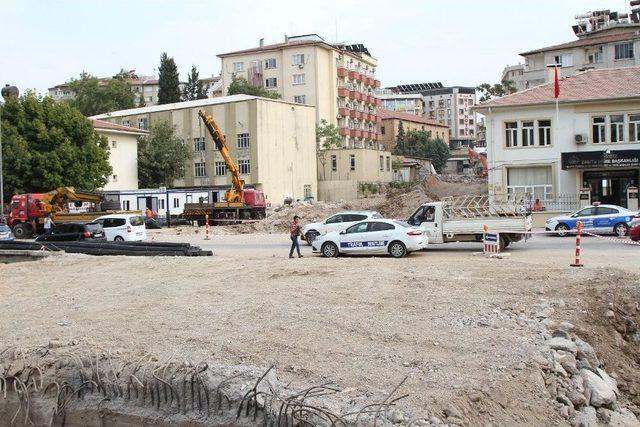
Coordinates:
141 102
400 137
194 89
48 144
327 137
168 81
161 157
96 96
240 85
419 143
489 91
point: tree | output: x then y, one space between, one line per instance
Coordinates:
241 85
327 137
48 144
168 81
141 102
419 143
400 138
96 96
194 88
161 157
489 91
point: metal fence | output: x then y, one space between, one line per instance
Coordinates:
553 202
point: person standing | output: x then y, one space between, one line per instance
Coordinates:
294 231
48 225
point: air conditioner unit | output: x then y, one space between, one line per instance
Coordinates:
580 139
338 117
301 66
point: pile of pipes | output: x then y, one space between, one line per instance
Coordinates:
110 248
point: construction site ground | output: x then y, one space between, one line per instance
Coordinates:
446 318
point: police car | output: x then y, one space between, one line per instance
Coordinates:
596 218
336 222
376 236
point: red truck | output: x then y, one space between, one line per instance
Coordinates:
26 214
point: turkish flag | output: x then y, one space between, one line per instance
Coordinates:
556 89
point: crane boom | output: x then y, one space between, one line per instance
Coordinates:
474 158
55 200
235 194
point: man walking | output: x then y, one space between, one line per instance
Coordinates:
294 231
48 224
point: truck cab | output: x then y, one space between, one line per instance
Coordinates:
429 218
26 212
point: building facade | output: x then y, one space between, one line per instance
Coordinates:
123 154
279 160
593 142
390 126
514 74
451 106
401 102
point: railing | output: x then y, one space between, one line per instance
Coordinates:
550 202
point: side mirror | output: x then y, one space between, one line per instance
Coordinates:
343 232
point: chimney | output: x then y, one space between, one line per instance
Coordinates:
551 71
286 38
261 42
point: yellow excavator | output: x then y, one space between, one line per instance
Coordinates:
239 202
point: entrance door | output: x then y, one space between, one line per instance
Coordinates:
610 187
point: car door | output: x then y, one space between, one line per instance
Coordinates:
350 219
378 237
332 223
585 216
352 239
108 228
604 219
426 218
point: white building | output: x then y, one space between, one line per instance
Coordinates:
595 143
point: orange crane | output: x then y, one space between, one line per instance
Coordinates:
474 159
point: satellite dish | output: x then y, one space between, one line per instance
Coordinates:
8 91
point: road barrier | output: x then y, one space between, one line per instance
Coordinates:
206 227
577 262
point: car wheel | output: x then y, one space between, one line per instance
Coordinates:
22 231
311 236
562 230
330 250
118 239
397 249
621 229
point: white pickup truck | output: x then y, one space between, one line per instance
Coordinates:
463 219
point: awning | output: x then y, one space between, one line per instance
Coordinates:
600 159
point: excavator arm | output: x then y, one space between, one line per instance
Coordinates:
55 200
235 194
474 157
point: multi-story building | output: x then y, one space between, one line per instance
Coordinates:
514 74
401 102
589 147
605 39
280 160
451 106
391 124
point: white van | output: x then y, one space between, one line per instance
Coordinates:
123 227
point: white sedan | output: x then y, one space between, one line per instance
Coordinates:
378 236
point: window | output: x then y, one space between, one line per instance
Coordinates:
114 222
334 219
307 191
596 56
565 60
200 170
388 163
511 134
382 130
298 79
244 166
624 51
353 217
221 168
352 162
544 132
460 101
535 181
461 121
142 123
243 140
358 228
114 178
271 82
598 127
270 63
126 205
617 128
527 134
460 110
380 226
126 123
606 211
381 163
584 212
238 67
634 127
300 99
198 144
334 163
114 144
298 59
161 203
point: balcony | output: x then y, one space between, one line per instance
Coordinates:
374 136
343 92
342 72
352 133
343 111
377 102
358 133
352 114
344 131
376 83
359 115
356 95
371 99
366 134
353 74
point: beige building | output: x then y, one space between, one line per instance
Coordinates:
391 124
271 141
401 102
123 154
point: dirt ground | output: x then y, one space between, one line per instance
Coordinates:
445 319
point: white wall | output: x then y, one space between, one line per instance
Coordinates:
123 158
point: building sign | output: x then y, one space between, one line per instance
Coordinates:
601 159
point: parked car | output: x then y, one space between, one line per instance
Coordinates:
634 229
596 218
337 222
73 232
5 234
377 236
123 227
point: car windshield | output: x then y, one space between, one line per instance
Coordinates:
136 221
402 224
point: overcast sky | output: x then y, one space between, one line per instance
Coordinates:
464 42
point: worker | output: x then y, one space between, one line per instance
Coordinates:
537 206
294 231
48 224
148 213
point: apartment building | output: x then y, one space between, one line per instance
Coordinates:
592 152
280 160
514 74
123 154
391 124
604 39
401 102
451 106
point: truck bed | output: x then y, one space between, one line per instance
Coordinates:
514 225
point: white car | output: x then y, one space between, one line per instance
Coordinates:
337 222
376 236
123 227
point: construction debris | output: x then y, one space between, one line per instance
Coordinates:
110 248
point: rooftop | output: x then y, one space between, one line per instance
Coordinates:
589 41
102 125
590 85
407 117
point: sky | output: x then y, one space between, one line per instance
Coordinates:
466 42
